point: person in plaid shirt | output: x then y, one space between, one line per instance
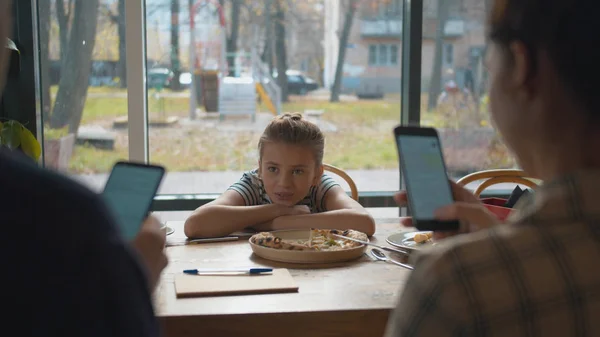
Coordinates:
539 274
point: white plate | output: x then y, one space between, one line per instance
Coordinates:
406 240
168 230
301 256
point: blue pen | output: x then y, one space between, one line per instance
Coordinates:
243 271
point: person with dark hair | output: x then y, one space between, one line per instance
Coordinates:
67 271
536 275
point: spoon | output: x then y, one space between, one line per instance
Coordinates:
379 255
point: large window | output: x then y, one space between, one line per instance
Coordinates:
83 87
210 133
454 92
191 85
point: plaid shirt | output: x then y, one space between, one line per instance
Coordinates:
539 275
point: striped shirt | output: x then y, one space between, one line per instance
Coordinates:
538 275
251 188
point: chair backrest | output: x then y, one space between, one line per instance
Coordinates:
346 177
493 177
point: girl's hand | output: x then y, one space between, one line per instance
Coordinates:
283 211
299 210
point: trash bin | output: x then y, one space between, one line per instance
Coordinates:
207 90
197 85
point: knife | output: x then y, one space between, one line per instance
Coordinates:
233 237
212 240
388 249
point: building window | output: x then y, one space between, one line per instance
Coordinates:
383 54
393 54
449 53
372 55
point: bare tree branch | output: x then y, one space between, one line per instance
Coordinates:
106 11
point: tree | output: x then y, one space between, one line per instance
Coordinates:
63 14
120 20
435 87
232 38
280 49
175 63
73 84
305 27
267 54
339 69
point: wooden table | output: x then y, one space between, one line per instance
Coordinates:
346 299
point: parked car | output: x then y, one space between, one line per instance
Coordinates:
159 77
299 83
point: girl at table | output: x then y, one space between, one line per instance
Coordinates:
288 190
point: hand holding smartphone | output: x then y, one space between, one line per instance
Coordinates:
129 192
424 172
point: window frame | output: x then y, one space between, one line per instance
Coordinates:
376 50
409 114
20 97
137 109
412 13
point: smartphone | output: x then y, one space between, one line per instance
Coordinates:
425 176
129 192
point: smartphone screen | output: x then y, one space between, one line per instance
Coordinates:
425 177
129 193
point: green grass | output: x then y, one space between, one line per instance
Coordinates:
103 108
373 150
99 109
87 159
93 90
358 113
363 139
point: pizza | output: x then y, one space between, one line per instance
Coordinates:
318 240
422 238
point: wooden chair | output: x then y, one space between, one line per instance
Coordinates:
493 177
346 177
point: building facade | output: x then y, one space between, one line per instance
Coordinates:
374 49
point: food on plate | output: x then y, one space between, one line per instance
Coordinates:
423 237
318 240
